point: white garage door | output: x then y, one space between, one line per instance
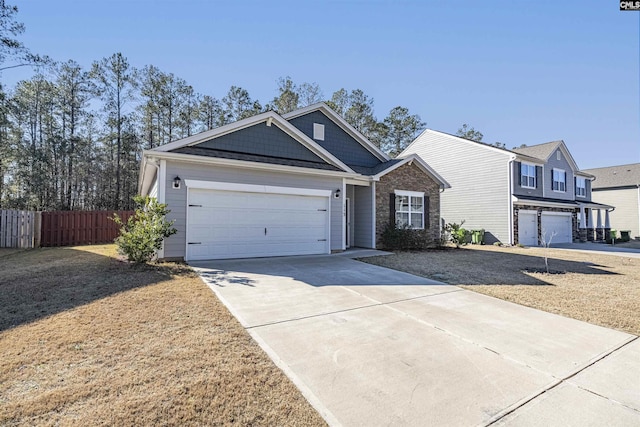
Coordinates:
528 228
560 224
233 224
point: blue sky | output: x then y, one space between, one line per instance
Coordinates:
521 72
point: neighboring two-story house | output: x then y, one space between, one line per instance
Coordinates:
620 187
524 196
301 183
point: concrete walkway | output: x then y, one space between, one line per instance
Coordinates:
372 346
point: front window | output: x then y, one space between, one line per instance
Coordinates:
528 175
559 180
409 209
581 187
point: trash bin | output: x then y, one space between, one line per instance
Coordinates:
625 235
477 236
613 236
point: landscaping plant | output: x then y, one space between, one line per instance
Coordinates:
457 234
142 235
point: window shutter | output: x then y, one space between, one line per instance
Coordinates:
425 206
552 179
520 174
392 209
538 175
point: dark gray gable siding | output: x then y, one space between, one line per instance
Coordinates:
521 191
262 140
336 141
222 154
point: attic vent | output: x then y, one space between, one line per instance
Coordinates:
318 131
558 155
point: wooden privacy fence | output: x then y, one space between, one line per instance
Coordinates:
19 229
69 228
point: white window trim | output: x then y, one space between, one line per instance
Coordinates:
535 183
412 194
584 181
565 180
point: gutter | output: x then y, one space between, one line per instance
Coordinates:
510 199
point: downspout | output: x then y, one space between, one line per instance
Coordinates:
510 200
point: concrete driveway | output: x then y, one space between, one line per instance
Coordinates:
372 346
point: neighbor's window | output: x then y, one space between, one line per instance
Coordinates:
559 180
581 187
410 208
528 175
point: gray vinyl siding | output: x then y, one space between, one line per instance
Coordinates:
626 216
174 246
518 189
588 187
262 140
554 163
362 223
479 177
336 141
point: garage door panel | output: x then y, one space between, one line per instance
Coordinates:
528 228
227 224
557 225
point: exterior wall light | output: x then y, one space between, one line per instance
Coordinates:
176 182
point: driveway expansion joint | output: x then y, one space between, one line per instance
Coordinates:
566 379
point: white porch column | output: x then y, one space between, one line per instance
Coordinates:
607 224
599 224
590 225
583 218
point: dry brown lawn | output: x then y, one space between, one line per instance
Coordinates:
88 340
599 289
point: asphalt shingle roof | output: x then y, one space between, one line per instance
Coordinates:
376 169
539 151
615 176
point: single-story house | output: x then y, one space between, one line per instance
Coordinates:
619 186
305 182
528 196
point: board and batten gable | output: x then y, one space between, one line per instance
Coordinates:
626 215
175 246
262 140
336 140
558 163
479 176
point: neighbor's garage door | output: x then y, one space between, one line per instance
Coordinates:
560 224
232 224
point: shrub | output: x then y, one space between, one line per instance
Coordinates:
142 235
497 243
457 234
403 237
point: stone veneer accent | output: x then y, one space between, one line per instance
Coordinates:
574 220
408 177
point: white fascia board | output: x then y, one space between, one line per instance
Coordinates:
421 164
335 117
192 158
252 188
